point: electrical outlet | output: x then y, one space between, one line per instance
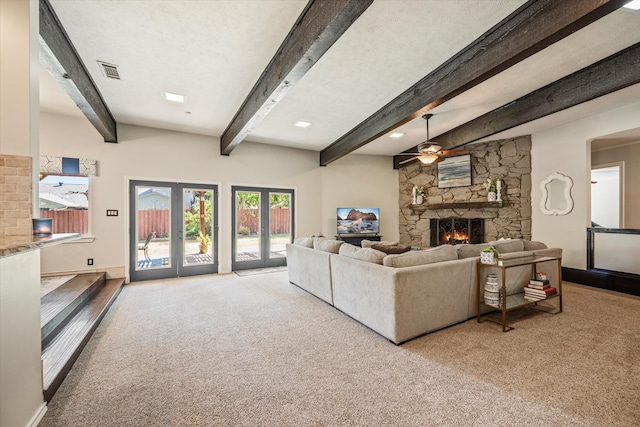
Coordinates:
89 261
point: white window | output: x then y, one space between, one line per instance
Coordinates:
65 198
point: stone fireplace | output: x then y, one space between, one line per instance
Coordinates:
507 159
453 231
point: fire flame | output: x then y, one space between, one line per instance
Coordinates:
457 236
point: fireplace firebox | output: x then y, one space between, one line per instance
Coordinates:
452 231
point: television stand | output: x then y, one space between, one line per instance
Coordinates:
356 239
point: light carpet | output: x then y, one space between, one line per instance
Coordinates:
48 284
264 270
224 350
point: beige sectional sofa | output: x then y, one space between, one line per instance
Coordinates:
402 296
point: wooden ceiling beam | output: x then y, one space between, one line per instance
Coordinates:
611 74
60 58
318 27
531 28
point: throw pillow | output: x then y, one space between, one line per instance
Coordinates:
428 256
362 254
367 243
307 242
327 245
389 249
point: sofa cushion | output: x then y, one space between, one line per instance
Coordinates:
362 254
508 245
470 250
327 245
427 256
367 243
307 242
391 249
533 245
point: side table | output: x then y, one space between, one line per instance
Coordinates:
517 300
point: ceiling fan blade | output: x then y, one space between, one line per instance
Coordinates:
454 152
408 160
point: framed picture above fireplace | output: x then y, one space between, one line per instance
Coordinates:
454 172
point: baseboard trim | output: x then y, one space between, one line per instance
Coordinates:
37 417
604 279
112 272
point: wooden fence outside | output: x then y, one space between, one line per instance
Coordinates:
280 219
69 221
153 220
77 221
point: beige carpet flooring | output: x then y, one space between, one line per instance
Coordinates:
48 284
257 351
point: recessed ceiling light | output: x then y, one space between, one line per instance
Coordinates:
173 97
635 5
396 135
302 124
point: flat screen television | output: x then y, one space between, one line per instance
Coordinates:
358 220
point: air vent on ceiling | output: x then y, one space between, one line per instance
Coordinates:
109 70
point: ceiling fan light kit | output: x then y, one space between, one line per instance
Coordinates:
428 159
430 152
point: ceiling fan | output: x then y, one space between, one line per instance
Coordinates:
430 152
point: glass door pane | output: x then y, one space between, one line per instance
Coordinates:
173 230
263 224
197 220
248 227
279 224
153 227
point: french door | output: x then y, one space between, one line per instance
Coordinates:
174 229
262 225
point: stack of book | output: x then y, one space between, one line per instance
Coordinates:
538 290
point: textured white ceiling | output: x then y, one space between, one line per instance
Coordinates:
214 51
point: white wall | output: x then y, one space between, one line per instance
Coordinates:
566 149
19 81
154 154
21 401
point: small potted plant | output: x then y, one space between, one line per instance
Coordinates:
489 255
490 186
204 241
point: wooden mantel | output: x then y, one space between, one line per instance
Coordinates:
456 205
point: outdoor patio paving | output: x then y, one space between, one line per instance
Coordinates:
161 262
159 249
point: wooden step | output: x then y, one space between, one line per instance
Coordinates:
64 347
64 301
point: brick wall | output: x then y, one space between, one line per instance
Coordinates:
15 195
